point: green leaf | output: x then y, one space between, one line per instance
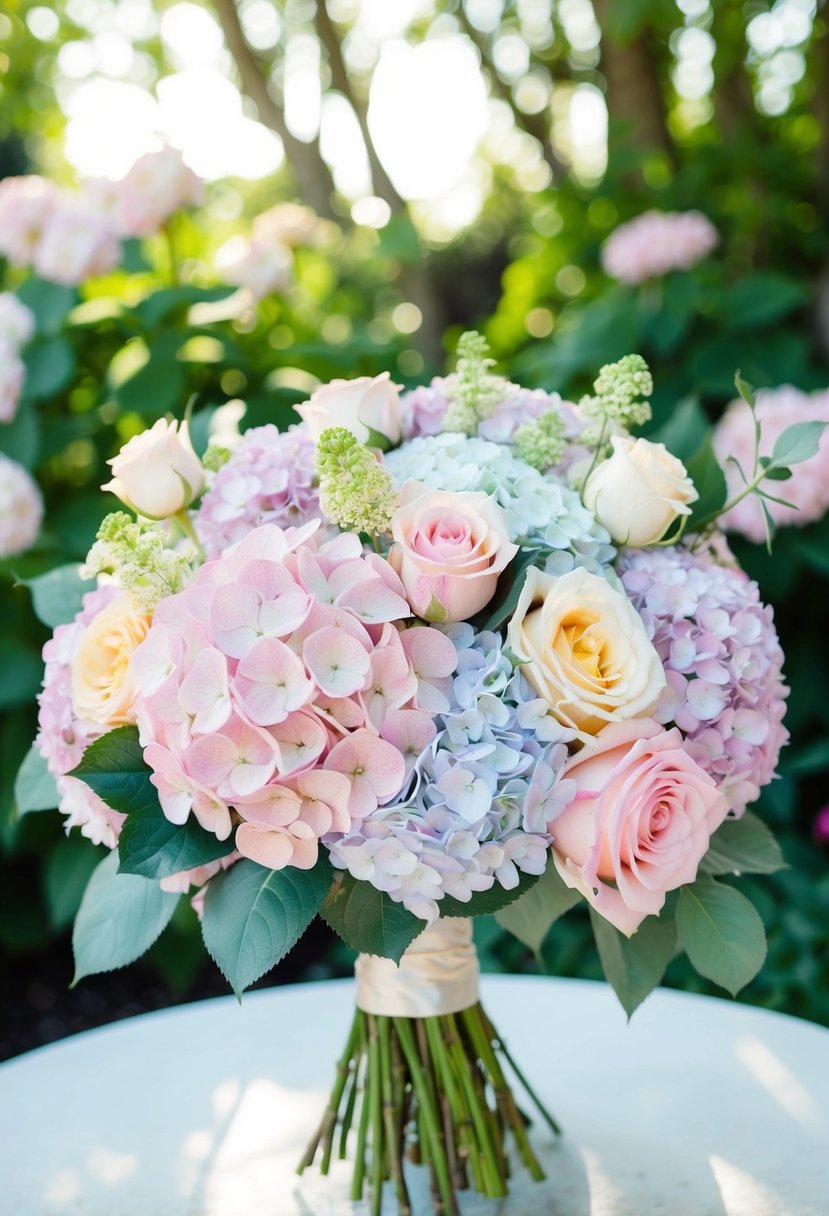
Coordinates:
721 932
369 920
633 966
158 386
50 366
57 596
67 871
120 917
532 915
160 305
34 787
747 391
50 302
685 429
20 439
798 442
709 481
485 903
743 846
22 672
759 299
152 846
508 592
254 916
113 766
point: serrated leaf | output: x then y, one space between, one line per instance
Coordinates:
633 966
35 788
120 917
532 915
254 916
113 766
57 595
369 920
743 846
799 442
485 903
152 846
721 932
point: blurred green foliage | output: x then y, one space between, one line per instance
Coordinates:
749 148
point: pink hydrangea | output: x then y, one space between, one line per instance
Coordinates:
17 322
277 686
12 376
656 242
269 479
63 737
157 185
26 203
723 662
21 508
807 488
77 242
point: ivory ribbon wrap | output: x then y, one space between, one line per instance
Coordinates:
437 974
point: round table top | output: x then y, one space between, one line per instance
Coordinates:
699 1107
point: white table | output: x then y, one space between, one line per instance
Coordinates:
698 1108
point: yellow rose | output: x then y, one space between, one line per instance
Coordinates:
102 687
585 650
639 491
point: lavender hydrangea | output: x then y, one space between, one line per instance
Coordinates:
476 808
723 662
269 479
538 508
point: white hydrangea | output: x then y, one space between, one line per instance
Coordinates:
537 507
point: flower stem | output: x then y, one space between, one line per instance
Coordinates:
496 1039
185 524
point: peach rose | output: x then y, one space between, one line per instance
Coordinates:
639 491
102 687
361 406
585 650
157 473
639 824
448 551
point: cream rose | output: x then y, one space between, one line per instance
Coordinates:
640 822
639 491
585 650
448 551
157 473
102 687
361 406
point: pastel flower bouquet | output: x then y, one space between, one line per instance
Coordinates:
465 651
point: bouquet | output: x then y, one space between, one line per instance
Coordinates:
463 651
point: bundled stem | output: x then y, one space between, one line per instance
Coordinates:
432 1090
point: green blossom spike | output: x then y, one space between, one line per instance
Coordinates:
541 441
621 392
356 491
473 392
136 553
216 457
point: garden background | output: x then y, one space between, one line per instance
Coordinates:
458 165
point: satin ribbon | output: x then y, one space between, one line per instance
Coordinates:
438 974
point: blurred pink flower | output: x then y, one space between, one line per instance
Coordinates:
808 486
21 508
820 828
157 185
76 243
656 242
12 376
26 203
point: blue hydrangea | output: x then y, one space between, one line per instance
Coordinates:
476 808
539 509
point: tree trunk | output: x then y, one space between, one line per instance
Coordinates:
313 177
634 94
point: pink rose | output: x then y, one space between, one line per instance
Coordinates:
157 185
449 550
640 822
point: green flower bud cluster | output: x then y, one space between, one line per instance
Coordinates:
137 555
540 442
621 390
473 392
356 491
216 457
